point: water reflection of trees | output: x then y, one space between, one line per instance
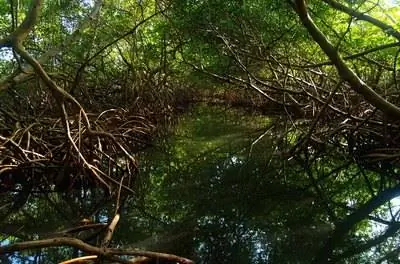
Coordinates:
259 207
225 191
212 195
314 182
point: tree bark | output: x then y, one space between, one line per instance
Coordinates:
344 71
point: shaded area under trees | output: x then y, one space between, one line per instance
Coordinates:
82 104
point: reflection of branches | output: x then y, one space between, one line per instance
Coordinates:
393 254
345 225
318 190
390 232
338 115
321 98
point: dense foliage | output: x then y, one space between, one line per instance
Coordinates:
216 131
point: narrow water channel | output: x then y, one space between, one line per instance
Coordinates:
223 192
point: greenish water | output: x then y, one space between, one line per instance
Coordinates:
218 189
220 179
224 190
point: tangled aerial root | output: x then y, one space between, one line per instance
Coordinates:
38 157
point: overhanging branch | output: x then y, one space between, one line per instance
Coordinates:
344 71
108 253
361 16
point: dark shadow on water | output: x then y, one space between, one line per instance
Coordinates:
221 189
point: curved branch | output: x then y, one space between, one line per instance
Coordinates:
345 72
361 16
390 232
23 75
107 253
343 227
358 55
20 34
58 92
